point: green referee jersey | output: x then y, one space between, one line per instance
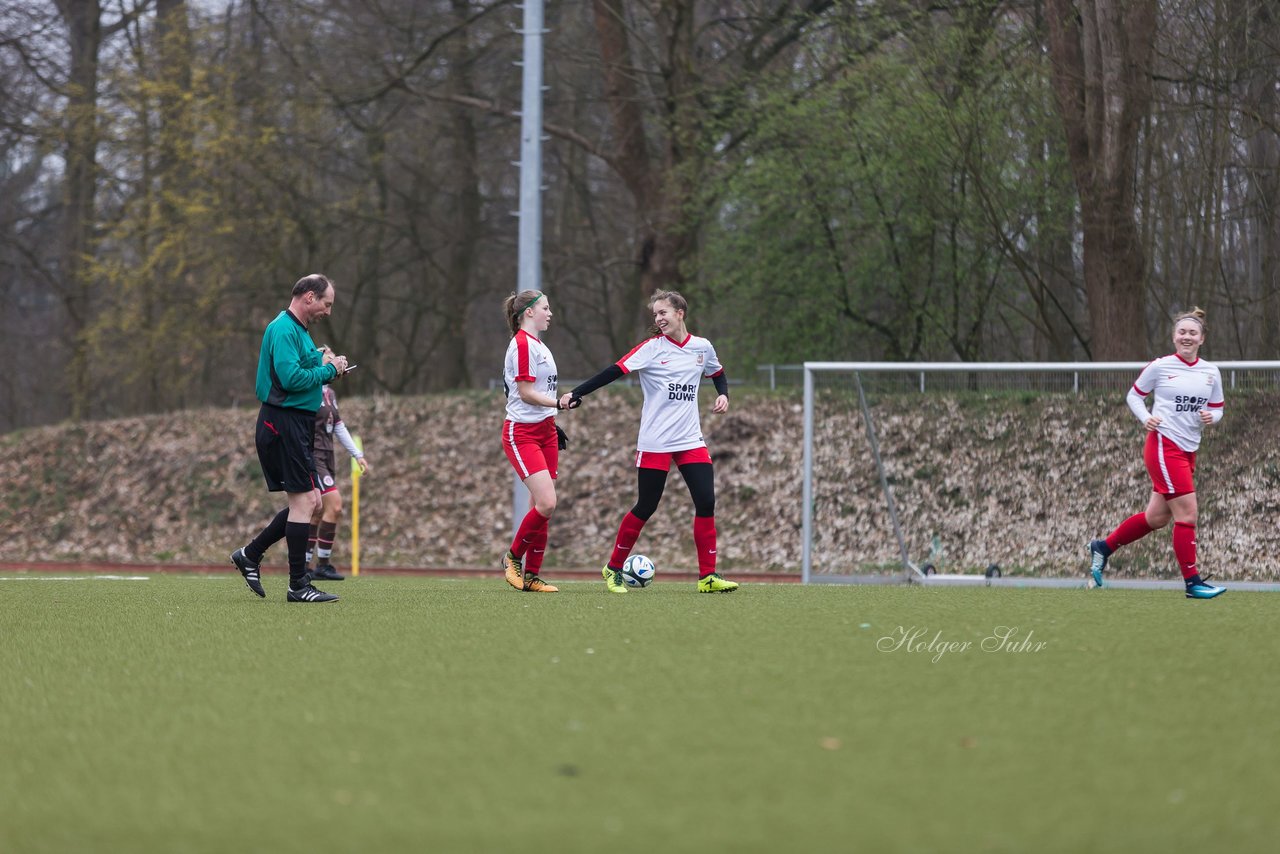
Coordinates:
290 368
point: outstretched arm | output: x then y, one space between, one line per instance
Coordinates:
584 388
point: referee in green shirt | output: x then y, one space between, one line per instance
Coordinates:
291 372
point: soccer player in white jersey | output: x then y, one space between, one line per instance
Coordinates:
1187 394
530 437
671 365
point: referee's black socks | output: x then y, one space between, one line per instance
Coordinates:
296 535
269 537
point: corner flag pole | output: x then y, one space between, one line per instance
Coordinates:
355 509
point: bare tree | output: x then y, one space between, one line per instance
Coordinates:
86 31
1257 49
1101 54
661 105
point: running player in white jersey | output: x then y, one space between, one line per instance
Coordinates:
1187 395
671 365
530 437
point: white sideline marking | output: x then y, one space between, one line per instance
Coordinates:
77 578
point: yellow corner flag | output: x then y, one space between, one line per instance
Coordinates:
355 509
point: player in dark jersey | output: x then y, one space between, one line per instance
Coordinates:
671 365
1187 395
291 372
324 524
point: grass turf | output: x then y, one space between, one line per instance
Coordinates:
182 714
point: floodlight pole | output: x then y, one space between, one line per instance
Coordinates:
529 274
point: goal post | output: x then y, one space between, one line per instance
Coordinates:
889 470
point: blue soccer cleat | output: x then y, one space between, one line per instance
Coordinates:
1202 590
1099 551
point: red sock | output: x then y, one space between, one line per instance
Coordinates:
530 525
704 540
1184 547
1130 530
533 557
628 533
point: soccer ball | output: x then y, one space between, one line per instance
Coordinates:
638 571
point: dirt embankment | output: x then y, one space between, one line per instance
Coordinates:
1023 481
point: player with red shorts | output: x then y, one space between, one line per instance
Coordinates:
1187 396
530 437
671 366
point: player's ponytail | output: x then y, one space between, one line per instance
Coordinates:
1197 314
515 305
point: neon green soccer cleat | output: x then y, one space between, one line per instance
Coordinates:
613 580
715 584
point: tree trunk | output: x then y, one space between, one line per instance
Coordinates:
166 281
83 20
660 245
1259 26
1055 267
466 227
363 331
173 38
1101 53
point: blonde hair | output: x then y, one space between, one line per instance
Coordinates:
1196 313
516 304
678 303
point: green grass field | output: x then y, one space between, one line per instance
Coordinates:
182 714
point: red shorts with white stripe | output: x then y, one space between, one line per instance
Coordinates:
662 460
531 448
1170 467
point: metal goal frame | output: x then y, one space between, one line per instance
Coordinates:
910 573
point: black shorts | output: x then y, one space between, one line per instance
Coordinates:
284 438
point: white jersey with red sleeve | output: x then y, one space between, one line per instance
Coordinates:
1180 390
528 361
670 374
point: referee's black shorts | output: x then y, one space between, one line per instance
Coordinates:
284 438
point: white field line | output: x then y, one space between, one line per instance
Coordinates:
76 578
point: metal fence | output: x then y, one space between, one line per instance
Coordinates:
1052 377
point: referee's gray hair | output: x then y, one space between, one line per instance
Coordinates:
315 283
